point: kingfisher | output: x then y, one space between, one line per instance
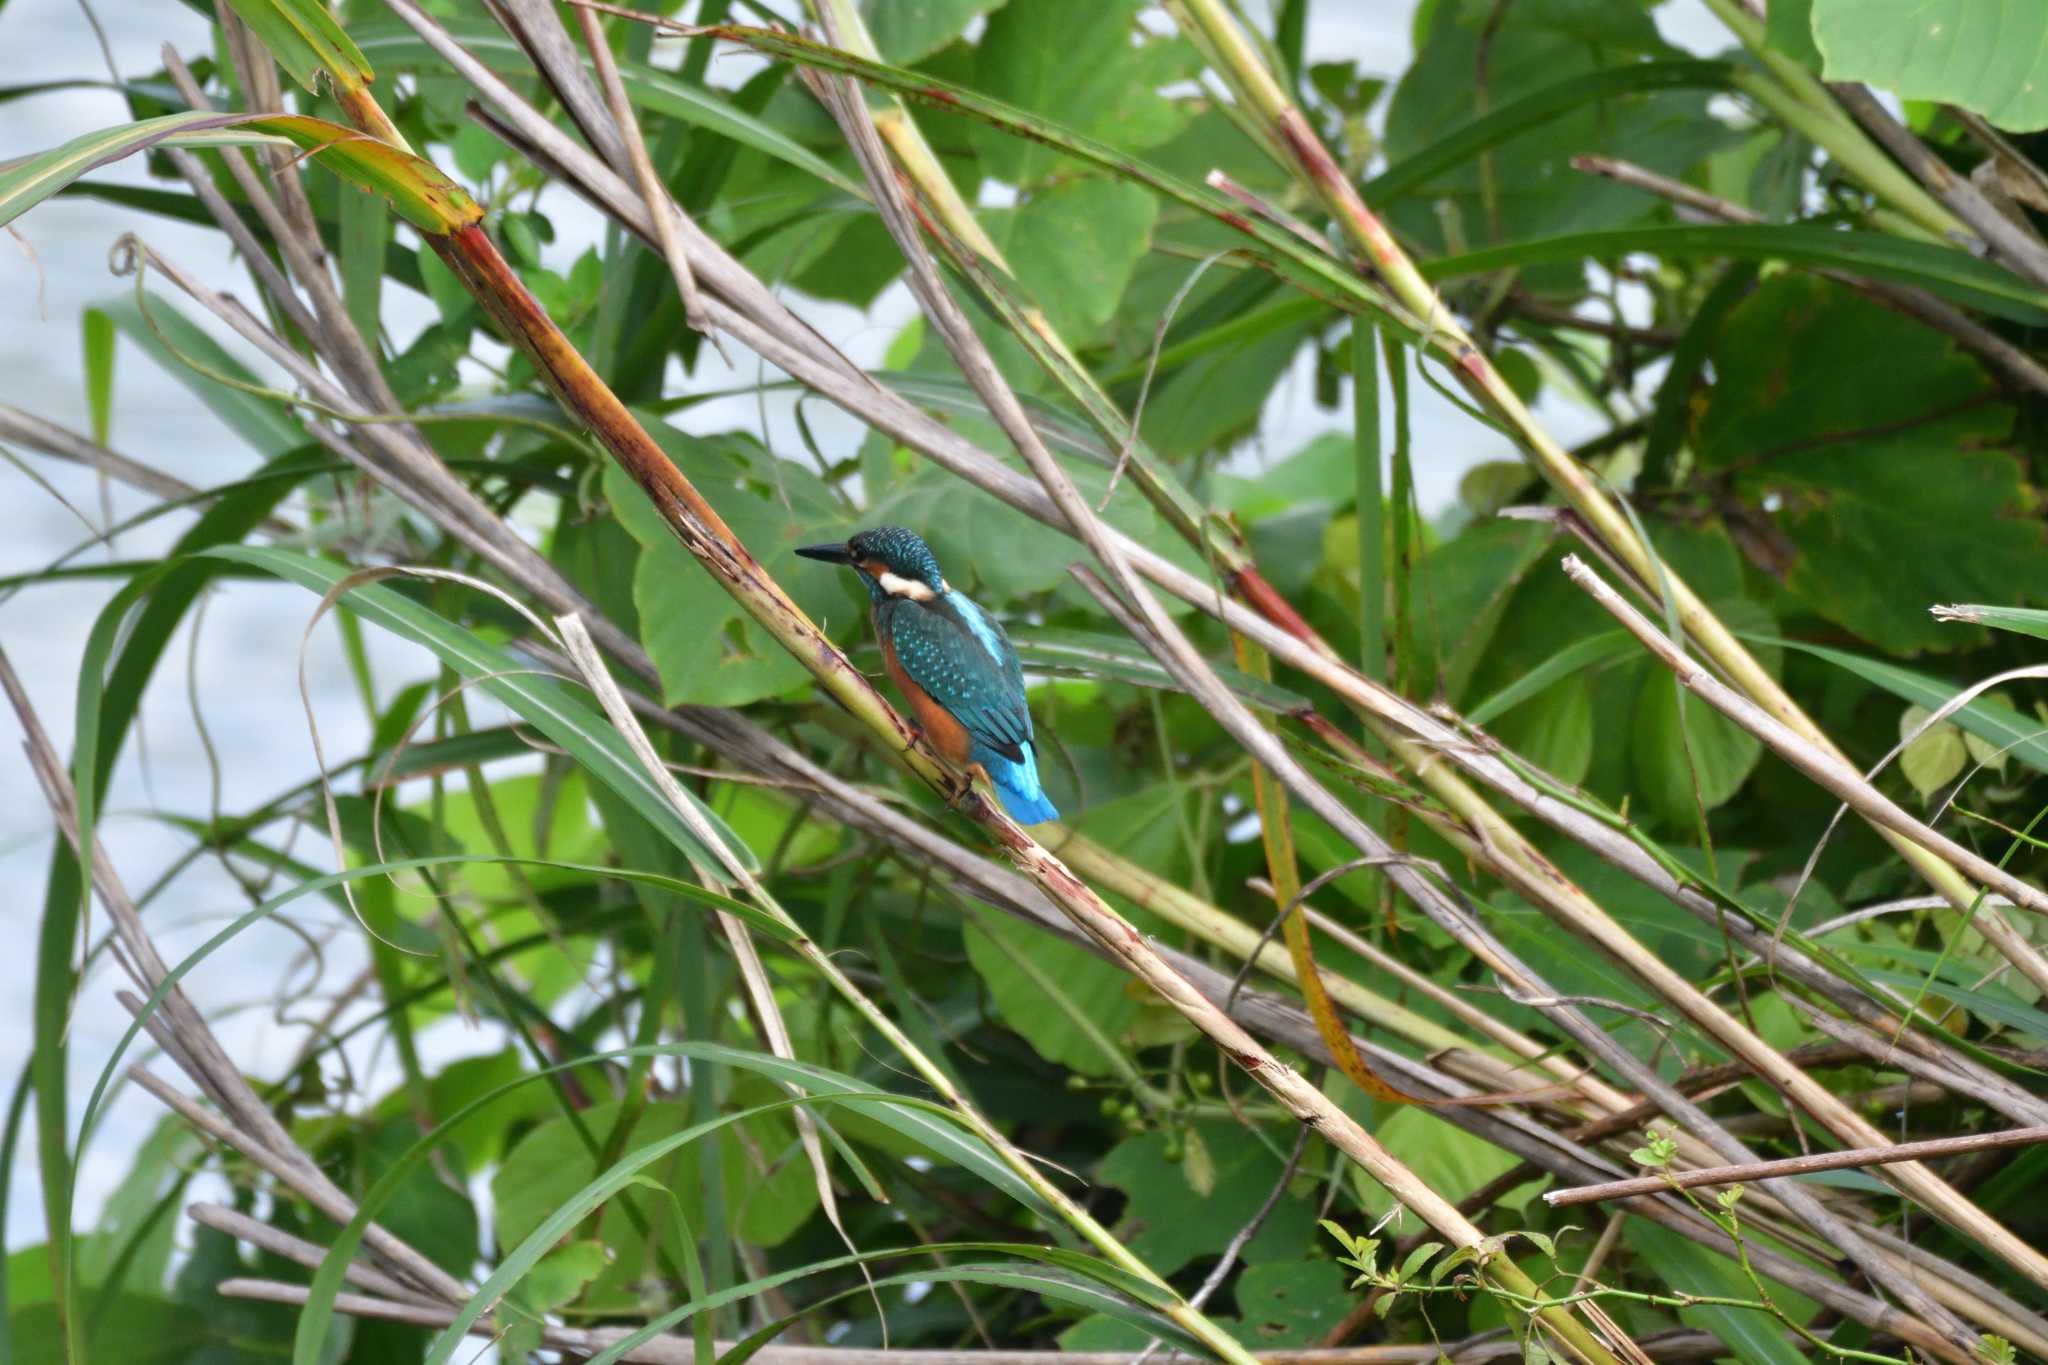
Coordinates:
951 660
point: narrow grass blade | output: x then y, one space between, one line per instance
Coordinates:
2024 737
1371 499
543 702
1954 275
2022 620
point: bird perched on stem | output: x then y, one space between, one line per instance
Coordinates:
952 662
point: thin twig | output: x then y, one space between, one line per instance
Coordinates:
1234 1248
2014 363
37 433
669 1350
1824 768
2015 246
1798 1165
661 209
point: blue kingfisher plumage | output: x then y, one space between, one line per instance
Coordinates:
952 662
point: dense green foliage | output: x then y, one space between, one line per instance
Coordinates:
1820 467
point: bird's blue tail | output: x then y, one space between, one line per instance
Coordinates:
1017 785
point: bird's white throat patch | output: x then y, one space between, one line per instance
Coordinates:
897 586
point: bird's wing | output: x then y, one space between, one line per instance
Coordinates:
991 634
942 657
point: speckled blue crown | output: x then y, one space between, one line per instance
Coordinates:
901 551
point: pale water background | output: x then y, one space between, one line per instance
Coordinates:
244 659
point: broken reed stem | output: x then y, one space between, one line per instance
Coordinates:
651 189
1853 1159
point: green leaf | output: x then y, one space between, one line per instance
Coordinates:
412 185
1219 395
1452 1162
1788 28
1076 59
1586 656
2023 620
135 1230
1313 474
560 1278
1508 181
1989 56
1417 168
561 1214
426 1211
1554 728
1471 579
907 31
97 335
174 342
1677 770
365 226
28 182
415 187
1868 433
306 41
1091 987
709 650
1173 1228
1073 247
1933 758
2002 1009
1289 1304
141 1328
551 1163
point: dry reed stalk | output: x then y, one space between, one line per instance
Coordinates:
669 1350
1854 1159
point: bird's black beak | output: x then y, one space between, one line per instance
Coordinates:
830 554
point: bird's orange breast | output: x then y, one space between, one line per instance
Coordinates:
946 734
